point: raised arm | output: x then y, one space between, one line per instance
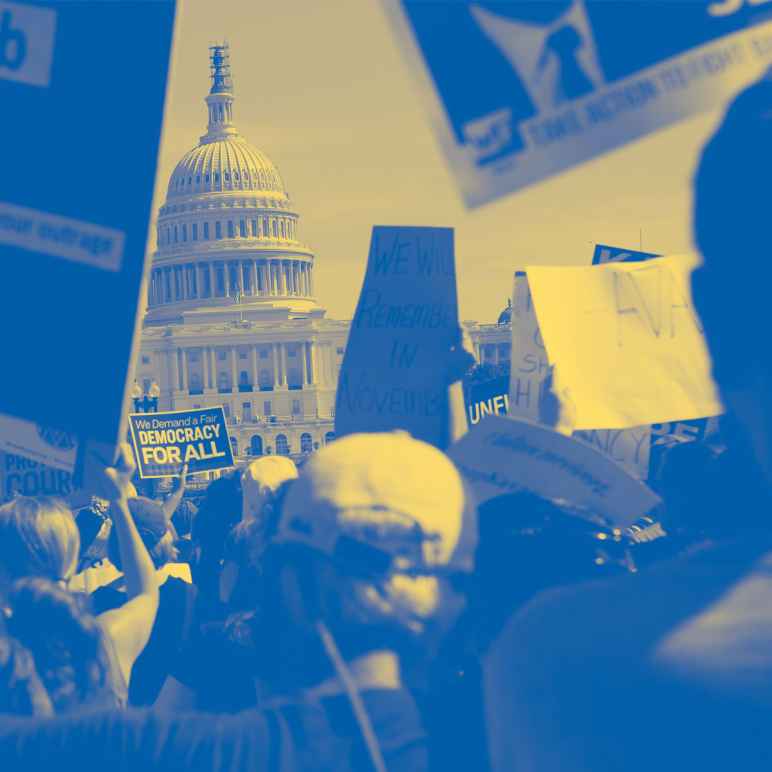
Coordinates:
170 505
129 626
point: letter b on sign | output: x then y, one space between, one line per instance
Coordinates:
26 43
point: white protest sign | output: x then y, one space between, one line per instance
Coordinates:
393 372
502 455
529 365
626 342
37 443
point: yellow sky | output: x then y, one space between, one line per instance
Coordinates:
323 90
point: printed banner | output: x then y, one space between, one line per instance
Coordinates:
164 442
20 476
393 372
626 342
44 445
72 247
630 448
502 455
518 91
487 398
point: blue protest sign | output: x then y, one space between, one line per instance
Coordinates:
82 87
165 442
518 91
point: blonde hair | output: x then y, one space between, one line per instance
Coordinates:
38 538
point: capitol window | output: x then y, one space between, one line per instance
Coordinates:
175 234
184 232
194 231
274 229
263 353
254 228
242 229
206 231
231 230
218 230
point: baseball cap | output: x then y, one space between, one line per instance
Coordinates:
267 473
388 491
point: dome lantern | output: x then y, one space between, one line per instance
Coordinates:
219 100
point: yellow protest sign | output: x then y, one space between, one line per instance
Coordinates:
626 342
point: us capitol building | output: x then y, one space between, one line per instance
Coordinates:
232 318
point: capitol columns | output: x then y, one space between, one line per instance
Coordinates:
175 379
283 352
212 369
275 363
306 348
184 379
253 357
234 374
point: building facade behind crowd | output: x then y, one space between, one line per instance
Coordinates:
232 317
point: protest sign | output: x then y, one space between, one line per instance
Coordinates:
630 448
393 374
487 397
529 359
503 455
543 86
20 476
606 254
626 342
42 444
83 105
165 442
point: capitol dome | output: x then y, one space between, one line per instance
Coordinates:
229 164
227 233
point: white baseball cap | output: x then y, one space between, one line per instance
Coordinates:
396 494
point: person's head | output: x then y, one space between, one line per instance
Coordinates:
154 529
368 538
183 518
21 691
38 537
731 216
65 643
261 480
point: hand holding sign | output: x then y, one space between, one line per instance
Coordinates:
117 479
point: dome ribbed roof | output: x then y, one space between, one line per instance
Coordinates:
223 165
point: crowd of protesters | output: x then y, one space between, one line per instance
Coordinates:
362 613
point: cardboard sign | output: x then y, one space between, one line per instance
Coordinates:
164 442
626 342
503 455
518 91
487 398
529 364
83 103
20 476
606 254
41 444
393 372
